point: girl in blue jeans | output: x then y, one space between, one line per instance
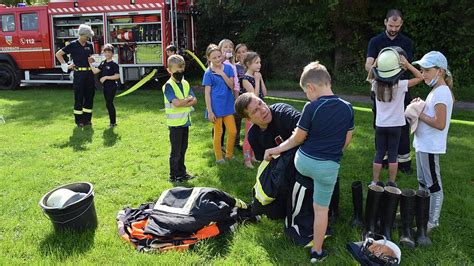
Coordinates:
323 131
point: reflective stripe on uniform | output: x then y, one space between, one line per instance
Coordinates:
77 112
85 110
82 68
176 116
403 158
259 192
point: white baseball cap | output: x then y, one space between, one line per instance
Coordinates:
433 59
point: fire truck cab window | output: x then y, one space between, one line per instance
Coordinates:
8 23
29 21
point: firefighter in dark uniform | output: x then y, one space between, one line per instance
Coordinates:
83 83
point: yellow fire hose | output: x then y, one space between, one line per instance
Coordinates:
150 76
139 84
197 59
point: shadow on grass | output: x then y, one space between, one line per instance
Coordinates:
78 139
67 243
110 137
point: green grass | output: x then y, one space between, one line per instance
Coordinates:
41 149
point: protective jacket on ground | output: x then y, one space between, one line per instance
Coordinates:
180 218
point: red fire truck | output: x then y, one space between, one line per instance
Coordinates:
140 30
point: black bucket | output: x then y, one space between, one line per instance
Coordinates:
77 216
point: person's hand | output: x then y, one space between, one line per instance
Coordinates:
218 71
270 153
91 60
65 67
211 117
257 76
417 99
71 66
404 62
103 79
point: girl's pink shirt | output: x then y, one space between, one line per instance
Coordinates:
236 79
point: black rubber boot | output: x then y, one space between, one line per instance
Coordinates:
389 210
78 119
374 194
422 216
379 211
334 205
357 201
407 215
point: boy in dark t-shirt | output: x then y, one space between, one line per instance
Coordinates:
322 133
108 72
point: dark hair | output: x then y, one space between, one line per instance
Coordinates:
108 47
249 58
380 88
394 13
240 45
242 102
171 48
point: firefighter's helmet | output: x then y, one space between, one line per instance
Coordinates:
389 68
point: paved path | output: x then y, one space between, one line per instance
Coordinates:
352 98
299 94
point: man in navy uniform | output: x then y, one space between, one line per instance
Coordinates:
83 83
392 36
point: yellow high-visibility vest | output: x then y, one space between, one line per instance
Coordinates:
177 116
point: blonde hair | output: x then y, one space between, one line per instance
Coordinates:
227 41
176 60
448 78
210 49
314 73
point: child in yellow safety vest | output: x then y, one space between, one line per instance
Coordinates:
179 99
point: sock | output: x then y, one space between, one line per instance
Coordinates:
319 253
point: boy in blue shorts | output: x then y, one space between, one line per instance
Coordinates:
323 131
179 99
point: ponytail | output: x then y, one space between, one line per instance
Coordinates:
448 78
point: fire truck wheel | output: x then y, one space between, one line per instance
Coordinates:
8 77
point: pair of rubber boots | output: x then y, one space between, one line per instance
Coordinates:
382 202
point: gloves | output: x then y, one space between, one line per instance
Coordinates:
65 67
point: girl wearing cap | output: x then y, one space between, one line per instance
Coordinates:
389 93
431 133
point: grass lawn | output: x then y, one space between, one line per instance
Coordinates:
41 149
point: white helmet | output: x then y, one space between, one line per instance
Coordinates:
389 68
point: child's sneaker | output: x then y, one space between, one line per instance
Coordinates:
391 184
221 161
315 257
248 164
188 176
175 179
